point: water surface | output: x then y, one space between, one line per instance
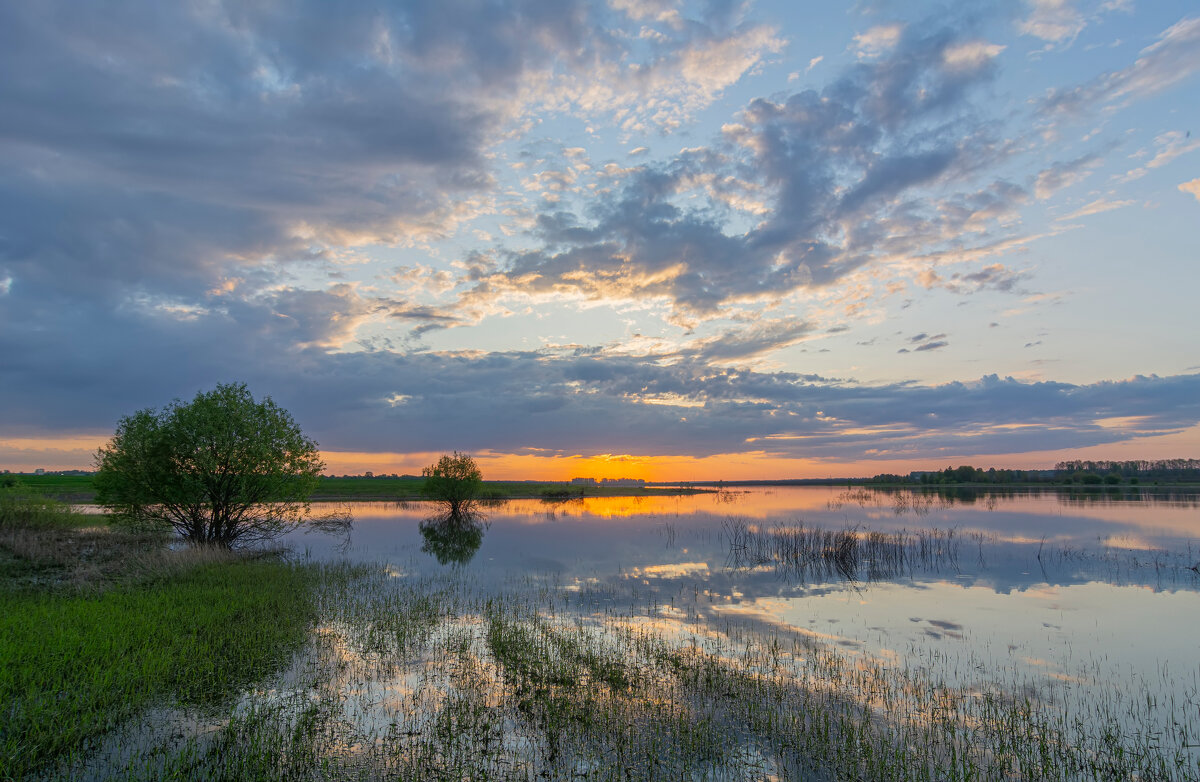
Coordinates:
1037 588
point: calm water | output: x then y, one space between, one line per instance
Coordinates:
1067 618
1031 589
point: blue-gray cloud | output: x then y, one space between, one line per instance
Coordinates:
562 401
845 172
163 147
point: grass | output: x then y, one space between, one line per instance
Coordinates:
78 488
98 624
808 553
71 488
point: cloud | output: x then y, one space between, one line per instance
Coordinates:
970 55
1053 20
300 197
1192 187
1170 146
174 148
1172 59
686 71
760 338
1099 206
564 403
1064 174
327 318
994 277
878 40
837 178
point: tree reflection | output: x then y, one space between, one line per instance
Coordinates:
453 537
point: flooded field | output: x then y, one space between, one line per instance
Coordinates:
782 633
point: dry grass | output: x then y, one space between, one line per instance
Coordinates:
96 557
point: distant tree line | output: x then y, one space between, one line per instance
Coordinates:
967 474
1077 471
1136 468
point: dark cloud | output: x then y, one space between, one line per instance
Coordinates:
167 146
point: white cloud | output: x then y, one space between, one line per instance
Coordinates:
660 93
1053 21
877 41
1170 146
1192 187
971 54
1173 58
1095 207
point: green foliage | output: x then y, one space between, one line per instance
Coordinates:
74 665
22 509
221 469
455 482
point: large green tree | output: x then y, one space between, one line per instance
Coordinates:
221 470
455 482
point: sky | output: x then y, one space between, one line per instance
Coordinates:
667 240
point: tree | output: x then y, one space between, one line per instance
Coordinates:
220 470
455 482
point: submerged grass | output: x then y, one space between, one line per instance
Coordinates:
432 679
805 552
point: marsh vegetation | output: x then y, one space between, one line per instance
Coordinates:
694 661
427 679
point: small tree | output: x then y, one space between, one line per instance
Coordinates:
455 482
220 470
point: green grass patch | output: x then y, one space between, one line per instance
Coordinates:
78 488
75 665
75 488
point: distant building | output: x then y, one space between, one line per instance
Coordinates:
583 481
39 471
